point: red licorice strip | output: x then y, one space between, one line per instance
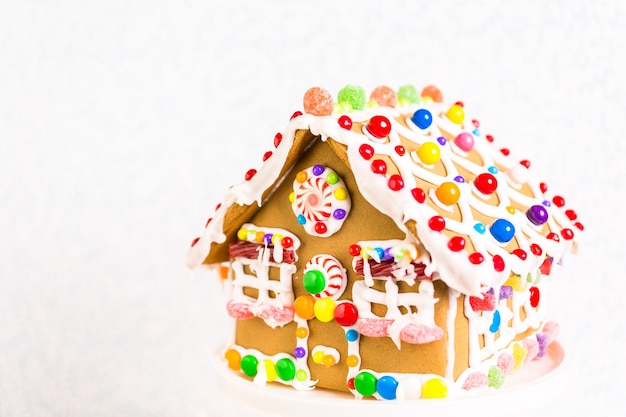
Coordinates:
386 267
250 250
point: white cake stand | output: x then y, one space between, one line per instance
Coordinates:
524 390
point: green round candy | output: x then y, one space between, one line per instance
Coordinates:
332 178
408 93
353 94
314 281
365 383
249 365
286 369
496 377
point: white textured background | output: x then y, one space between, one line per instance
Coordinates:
122 123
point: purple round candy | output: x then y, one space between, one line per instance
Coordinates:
459 178
441 140
299 352
388 254
267 238
339 214
318 170
537 215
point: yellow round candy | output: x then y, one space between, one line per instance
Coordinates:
301 332
352 361
434 388
510 209
292 197
276 239
324 309
301 176
270 370
318 357
341 194
328 361
304 307
259 237
456 114
448 193
242 234
429 153
233 358
301 375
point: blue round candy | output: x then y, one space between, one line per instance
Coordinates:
352 335
386 387
480 228
422 118
502 230
301 219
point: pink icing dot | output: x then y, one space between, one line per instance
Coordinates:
384 96
318 102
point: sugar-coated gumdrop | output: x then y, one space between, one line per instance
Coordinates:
456 114
475 380
303 307
542 342
286 369
532 346
408 94
386 387
496 377
551 329
433 92
365 383
384 96
270 370
448 193
506 362
318 102
434 388
353 94
519 354
249 365
486 303
346 314
324 309
465 141
429 153
233 358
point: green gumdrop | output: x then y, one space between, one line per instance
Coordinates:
249 365
408 93
365 383
285 369
496 377
314 282
353 94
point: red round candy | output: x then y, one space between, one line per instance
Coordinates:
489 138
525 162
558 201
320 228
400 150
553 236
571 214
486 183
567 234
505 151
351 383
251 173
543 187
534 296
419 195
277 139
379 127
379 166
498 263
287 242
267 155
345 122
366 151
456 243
395 182
437 223
354 250
476 123
346 314
520 253
476 258
536 249
579 225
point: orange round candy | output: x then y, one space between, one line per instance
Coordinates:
448 193
384 96
432 92
303 307
318 102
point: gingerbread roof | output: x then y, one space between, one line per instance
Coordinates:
427 165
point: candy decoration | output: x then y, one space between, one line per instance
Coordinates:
303 307
456 243
419 195
277 139
495 323
384 96
324 276
534 296
456 114
286 369
324 309
354 95
465 141
520 253
395 182
249 365
486 183
379 166
233 358
542 342
251 173
408 94
422 118
448 193
480 228
386 387
558 201
379 127
496 377
352 361
302 332
532 346
352 335
345 122
502 230
571 214
486 303
506 362
400 150
295 114
437 223
434 388
318 102
498 263
519 354
365 383
429 153
567 234
433 92
194 241
537 214
366 151
346 314
301 375
320 200
299 352
270 370
475 380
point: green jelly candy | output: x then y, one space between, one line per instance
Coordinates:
365 383
285 369
353 94
408 93
249 365
314 282
496 377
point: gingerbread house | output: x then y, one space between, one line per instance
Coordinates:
388 248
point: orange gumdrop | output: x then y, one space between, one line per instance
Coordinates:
303 307
384 96
318 102
432 92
